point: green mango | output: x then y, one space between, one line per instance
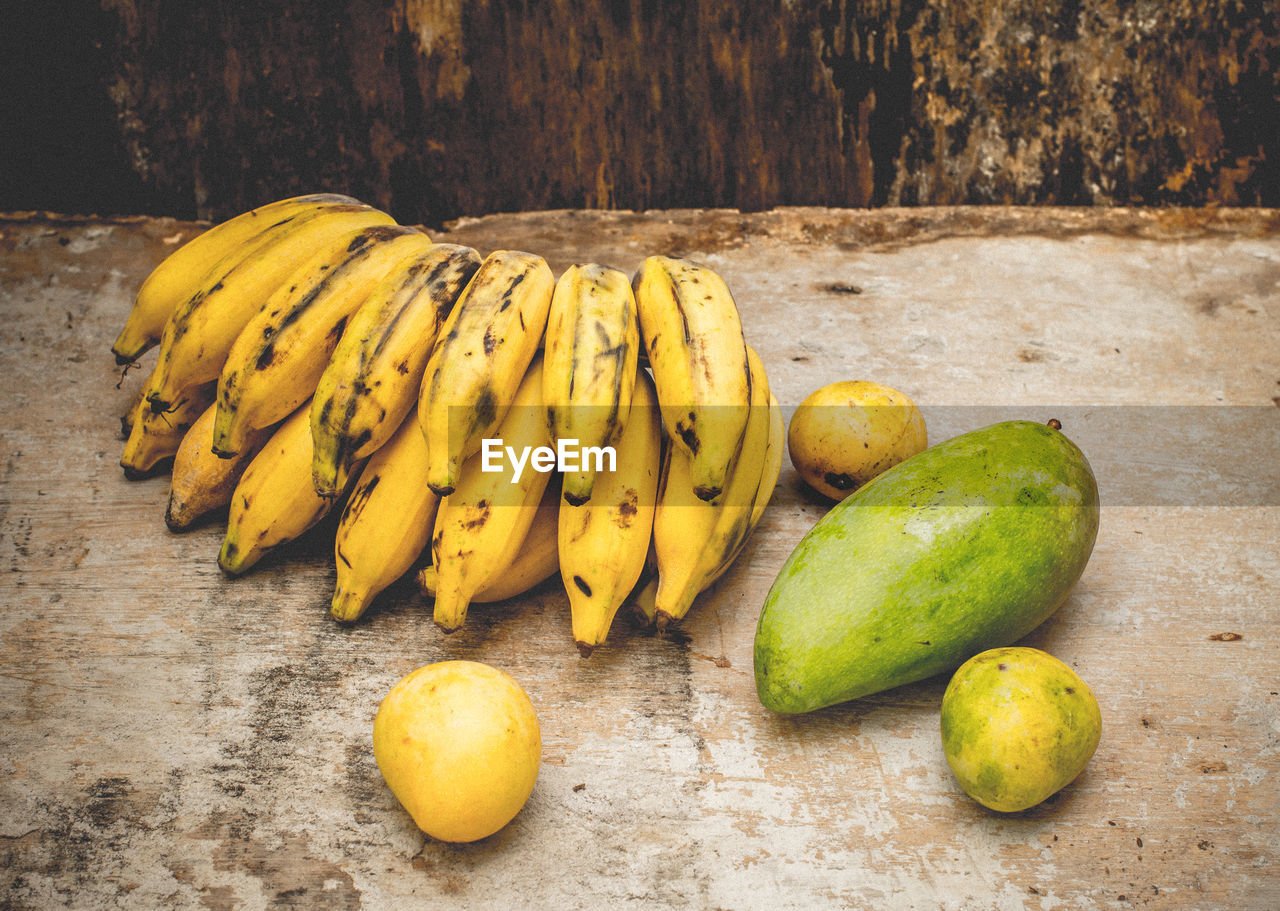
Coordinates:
966 546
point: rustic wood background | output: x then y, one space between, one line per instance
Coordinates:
440 108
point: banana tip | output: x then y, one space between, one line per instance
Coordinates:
584 648
574 499
133 473
229 559
440 490
703 492
640 617
347 606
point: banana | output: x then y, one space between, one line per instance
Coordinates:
154 437
536 561
592 348
278 358
373 378
202 482
483 354
732 546
772 460
481 525
693 537
604 542
201 331
274 501
126 419
643 600
386 524
644 609
179 275
693 337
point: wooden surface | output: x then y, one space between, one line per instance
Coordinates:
172 738
436 109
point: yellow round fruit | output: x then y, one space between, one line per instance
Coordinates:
846 433
1018 726
459 745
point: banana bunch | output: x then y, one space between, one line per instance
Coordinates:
473 423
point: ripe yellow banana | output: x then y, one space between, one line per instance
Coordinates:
644 600
202 482
274 502
373 378
201 331
154 437
481 525
731 546
386 524
278 358
592 348
536 561
180 274
693 537
604 542
484 351
693 335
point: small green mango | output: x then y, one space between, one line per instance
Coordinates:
1018 726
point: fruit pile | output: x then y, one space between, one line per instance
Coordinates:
313 353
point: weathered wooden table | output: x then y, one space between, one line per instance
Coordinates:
173 738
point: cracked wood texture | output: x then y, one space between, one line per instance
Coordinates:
173 738
433 110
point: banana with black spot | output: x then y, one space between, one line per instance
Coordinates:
604 542
212 252
693 336
202 329
201 482
279 357
373 378
535 561
483 354
386 524
693 538
592 348
480 525
155 436
274 501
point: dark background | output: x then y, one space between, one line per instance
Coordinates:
434 109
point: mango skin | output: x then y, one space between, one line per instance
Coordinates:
844 434
966 546
1018 726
